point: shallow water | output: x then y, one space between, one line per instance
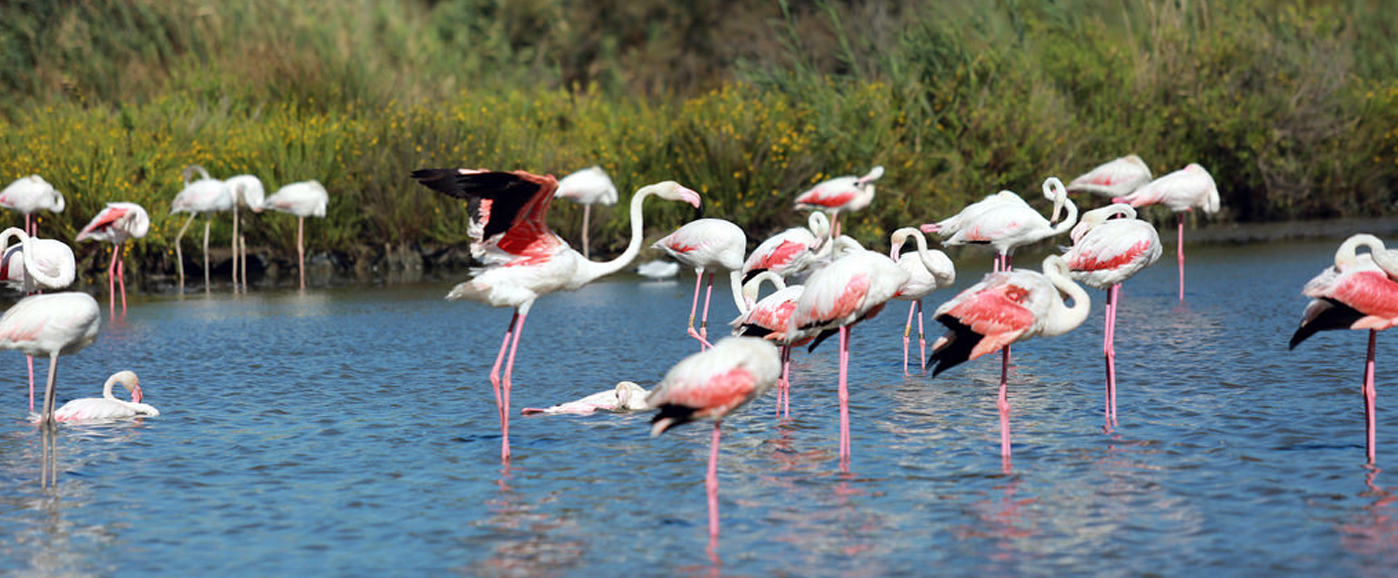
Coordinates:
352 432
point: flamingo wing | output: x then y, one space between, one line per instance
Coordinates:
103 220
509 204
983 319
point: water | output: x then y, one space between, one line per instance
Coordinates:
352 432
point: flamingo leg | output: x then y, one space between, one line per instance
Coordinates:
179 254
111 282
844 399
1109 353
235 247
1179 254
509 371
243 260
785 390
206 253
1370 398
1003 404
47 418
921 340
704 321
907 330
301 249
694 307
30 228
499 360
711 484
29 360
587 217
121 277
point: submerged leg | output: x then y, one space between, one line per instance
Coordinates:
704 321
1179 254
907 331
921 340
206 254
505 408
785 399
499 360
301 249
1003 404
179 253
711 484
694 307
235 247
47 418
1370 398
844 399
1109 355
29 360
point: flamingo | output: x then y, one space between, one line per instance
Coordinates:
52 324
1105 253
31 265
1114 178
707 244
247 190
712 384
29 195
1359 292
303 199
116 224
851 288
840 195
1006 224
658 269
108 407
767 318
1004 308
1181 191
791 251
522 257
626 396
203 196
930 271
587 187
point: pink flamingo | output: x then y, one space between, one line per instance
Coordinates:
52 324
852 288
29 195
791 251
1105 253
1115 178
704 245
1006 225
303 199
587 187
712 384
116 224
840 195
31 265
205 195
930 271
522 257
1004 308
768 318
1181 191
108 407
1359 292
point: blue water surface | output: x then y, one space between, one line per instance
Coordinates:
352 432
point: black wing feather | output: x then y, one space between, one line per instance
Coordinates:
508 192
1323 314
960 341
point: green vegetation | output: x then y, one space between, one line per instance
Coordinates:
1292 105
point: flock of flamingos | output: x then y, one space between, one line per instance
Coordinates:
825 282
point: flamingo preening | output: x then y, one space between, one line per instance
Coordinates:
710 385
1358 292
791 251
1006 307
768 318
928 271
108 407
1114 178
115 224
1181 191
33 264
1105 253
246 190
52 324
587 187
29 195
840 195
626 396
1005 224
303 199
705 245
204 196
852 288
522 258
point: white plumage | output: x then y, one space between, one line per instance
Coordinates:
108 407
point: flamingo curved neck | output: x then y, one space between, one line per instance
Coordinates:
32 272
753 288
922 251
1346 255
595 269
1062 318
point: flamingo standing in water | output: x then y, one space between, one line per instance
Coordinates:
1006 225
29 195
1114 178
791 251
710 385
852 288
247 190
522 258
303 199
705 245
52 324
587 187
115 224
840 195
929 271
1181 191
1359 292
108 407
203 196
1006 307
31 265
970 213
768 318
1105 253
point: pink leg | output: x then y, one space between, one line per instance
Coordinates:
844 399
1179 249
1109 353
1370 398
835 232
29 360
30 228
505 408
694 308
495 370
301 249
711 484
1003 403
111 282
121 279
704 321
907 329
786 381
921 340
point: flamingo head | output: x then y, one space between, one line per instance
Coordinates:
899 237
248 190
629 395
819 224
128 380
673 191
1055 191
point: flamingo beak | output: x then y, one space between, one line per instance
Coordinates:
136 394
897 248
691 197
929 228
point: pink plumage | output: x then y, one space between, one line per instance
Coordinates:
1182 190
29 195
791 251
1114 178
839 195
707 245
116 224
1006 224
928 270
